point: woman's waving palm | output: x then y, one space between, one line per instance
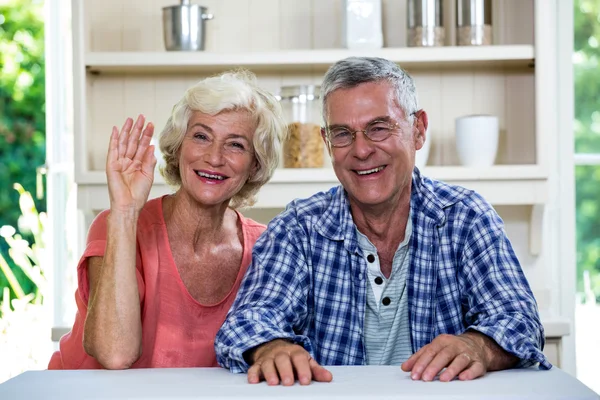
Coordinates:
130 165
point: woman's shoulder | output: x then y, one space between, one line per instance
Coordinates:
251 228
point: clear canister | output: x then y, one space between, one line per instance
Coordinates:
425 23
304 147
474 22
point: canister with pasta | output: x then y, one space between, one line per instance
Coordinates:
303 147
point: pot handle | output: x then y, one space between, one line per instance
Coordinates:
207 16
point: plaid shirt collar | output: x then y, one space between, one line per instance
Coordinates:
336 222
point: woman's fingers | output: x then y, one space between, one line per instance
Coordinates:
113 147
131 143
149 162
134 137
144 142
123 136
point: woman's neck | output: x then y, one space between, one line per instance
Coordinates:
191 220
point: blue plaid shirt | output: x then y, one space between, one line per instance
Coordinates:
308 280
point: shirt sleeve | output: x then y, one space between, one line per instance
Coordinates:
500 303
272 300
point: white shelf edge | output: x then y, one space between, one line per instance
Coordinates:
500 185
520 55
327 175
554 328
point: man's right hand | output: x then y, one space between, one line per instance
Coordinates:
280 360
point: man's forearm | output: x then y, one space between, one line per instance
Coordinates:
497 358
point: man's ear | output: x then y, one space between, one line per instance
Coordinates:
421 124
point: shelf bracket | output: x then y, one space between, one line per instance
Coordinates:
536 229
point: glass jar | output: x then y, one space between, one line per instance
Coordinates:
474 22
304 147
425 23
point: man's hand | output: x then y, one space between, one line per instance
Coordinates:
467 356
281 360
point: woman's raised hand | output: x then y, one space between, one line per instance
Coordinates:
130 165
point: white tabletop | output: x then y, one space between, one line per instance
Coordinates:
372 382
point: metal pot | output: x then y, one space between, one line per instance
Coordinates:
183 26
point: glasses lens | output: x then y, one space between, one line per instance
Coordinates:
340 137
378 131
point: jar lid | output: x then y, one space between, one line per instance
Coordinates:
427 13
473 12
312 92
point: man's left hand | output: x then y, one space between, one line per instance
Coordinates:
464 356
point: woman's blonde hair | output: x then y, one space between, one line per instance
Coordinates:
230 91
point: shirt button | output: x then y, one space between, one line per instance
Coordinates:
370 258
378 280
386 301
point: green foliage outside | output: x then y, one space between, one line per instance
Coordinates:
28 257
587 139
23 317
22 113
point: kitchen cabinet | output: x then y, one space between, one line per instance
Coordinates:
122 70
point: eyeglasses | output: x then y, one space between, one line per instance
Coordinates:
376 131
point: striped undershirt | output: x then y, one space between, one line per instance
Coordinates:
387 331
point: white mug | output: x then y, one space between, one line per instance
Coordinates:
477 140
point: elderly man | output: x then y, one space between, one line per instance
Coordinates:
391 267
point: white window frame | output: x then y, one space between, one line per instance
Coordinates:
565 182
60 204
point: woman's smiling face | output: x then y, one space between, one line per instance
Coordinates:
216 157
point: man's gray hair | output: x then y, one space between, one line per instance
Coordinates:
352 71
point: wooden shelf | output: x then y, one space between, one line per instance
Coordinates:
500 185
302 60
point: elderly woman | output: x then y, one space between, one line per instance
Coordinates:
158 277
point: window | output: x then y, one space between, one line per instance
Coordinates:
586 74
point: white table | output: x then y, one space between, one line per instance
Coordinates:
372 382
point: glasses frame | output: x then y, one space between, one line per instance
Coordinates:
393 126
